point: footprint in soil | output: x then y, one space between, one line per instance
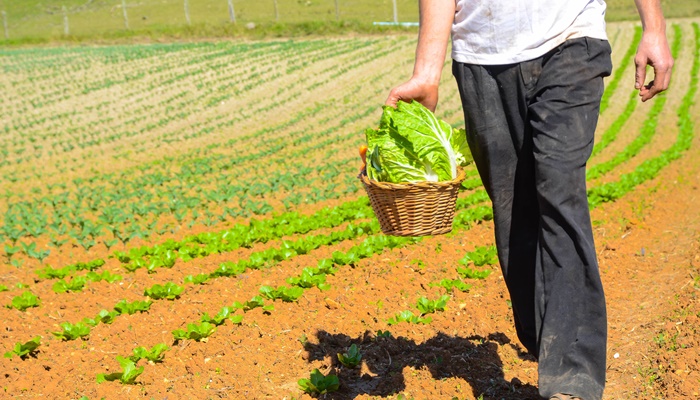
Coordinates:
474 359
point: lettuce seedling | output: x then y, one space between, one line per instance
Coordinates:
407 316
255 302
132 308
169 291
450 284
24 349
473 274
3 288
309 278
196 279
195 332
106 317
482 255
426 306
319 383
75 285
221 317
72 332
24 301
128 375
352 358
286 294
155 354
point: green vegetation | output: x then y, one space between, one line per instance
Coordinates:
23 350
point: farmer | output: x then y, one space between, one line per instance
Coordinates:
530 76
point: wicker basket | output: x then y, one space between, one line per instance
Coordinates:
413 209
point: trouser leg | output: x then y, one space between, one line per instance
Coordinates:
531 127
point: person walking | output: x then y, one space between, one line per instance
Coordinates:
530 77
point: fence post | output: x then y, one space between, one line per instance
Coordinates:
277 14
187 12
126 16
4 24
396 13
66 28
231 12
337 11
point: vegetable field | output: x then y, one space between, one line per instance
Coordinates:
184 220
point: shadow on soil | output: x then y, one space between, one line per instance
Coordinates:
473 359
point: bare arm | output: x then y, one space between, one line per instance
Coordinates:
653 50
436 17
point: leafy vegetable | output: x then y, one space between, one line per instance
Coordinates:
169 291
352 358
407 316
155 354
287 294
72 332
413 145
24 349
482 255
195 332
221 317
128 375
426 306
25 300
450 284
319 383
123 307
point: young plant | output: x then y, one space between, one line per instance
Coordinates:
319 383
482 255
24 349
155 354
196 279
221 317
123 307
451 284
472 273
195 332
351 358
128 374
407 316
169 291
286 294
106 317
426 306
254 302
24 301
72 332
75 285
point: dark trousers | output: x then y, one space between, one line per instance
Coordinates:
530 127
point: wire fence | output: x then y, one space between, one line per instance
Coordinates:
22 19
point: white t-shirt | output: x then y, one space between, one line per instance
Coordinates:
496 32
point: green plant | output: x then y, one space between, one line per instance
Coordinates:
195 332
221 317
255 302
72 331
319 383
426 306
128 374
75 285
287 294
107 317
154 354
407 316
169 291
24 301
450 284
473 274
124 307
24 349
482 255
351 358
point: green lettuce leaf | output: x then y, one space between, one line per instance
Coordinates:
413 145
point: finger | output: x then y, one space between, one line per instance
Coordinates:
640 75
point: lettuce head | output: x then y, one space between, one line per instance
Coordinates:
413 145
